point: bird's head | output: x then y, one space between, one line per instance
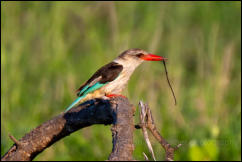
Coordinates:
136 57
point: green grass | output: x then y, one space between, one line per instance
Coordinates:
50 48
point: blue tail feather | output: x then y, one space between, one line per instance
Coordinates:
85 91
74 103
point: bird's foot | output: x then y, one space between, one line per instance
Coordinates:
115 95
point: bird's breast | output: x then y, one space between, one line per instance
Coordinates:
117 85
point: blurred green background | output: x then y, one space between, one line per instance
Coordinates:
48 49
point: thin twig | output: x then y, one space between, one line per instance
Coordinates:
144 130
14 140
146 157
168 80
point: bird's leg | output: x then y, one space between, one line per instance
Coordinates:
114 95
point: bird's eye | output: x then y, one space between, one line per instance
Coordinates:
140 55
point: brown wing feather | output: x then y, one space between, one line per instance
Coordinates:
105 74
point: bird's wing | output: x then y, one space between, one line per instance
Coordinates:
104 75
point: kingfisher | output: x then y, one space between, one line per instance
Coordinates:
111 79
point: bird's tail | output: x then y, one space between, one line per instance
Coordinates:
74 103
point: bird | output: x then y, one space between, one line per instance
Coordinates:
110 80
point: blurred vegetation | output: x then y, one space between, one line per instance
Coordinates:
50 48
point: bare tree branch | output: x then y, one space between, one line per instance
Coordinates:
97 111
149 123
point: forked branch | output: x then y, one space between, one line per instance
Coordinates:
147 121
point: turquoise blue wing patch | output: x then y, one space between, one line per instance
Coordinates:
88 89
85 88
94 87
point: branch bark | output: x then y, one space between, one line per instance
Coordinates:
98 111
122 133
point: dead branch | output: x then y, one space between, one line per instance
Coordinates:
147 121
143 120
97 111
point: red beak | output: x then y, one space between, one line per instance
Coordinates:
151 57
